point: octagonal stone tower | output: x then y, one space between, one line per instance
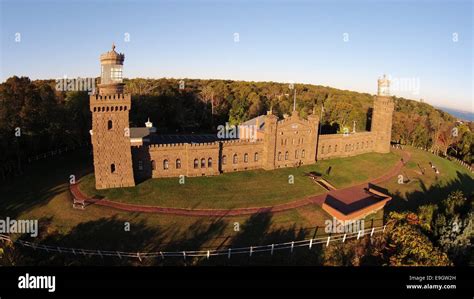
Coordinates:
382 116
110 132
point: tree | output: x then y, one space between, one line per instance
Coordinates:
408 246
453 226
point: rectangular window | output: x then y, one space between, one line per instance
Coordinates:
116 74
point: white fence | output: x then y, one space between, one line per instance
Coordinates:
229 252
460 162
55 152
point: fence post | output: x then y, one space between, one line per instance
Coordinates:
344 238
310 243
273 246
228 254
292 245
327 243
251 250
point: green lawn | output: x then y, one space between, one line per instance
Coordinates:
247 188
428 187
41 193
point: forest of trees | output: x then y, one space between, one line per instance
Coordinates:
34 117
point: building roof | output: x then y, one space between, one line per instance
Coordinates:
253 122
350 200
139 132
166 139
152 138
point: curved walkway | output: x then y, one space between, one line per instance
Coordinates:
318 199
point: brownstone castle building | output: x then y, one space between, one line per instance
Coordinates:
123 155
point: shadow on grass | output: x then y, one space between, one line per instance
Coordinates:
42 180
109 234
257 231
410 201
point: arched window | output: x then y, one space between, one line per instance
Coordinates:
255 157
203 163
234 159
335 148
246 157
322 149
296 154
224 160
178 163
112 168
279 156
209 162
109 125
286 155
166 164
196 163
302 153
329 149
153 165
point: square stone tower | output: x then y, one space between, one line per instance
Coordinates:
110 132
382 116
269 141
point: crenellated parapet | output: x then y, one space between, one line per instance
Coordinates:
241 142
345 137
110 102
110 97
166 145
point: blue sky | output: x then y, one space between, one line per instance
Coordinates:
343 44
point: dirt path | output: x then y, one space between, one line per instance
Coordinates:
318 199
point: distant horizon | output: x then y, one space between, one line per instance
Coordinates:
296 83
426 47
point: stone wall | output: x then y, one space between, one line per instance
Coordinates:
241 155
110 143
296 141
201 159
340 145
382 123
